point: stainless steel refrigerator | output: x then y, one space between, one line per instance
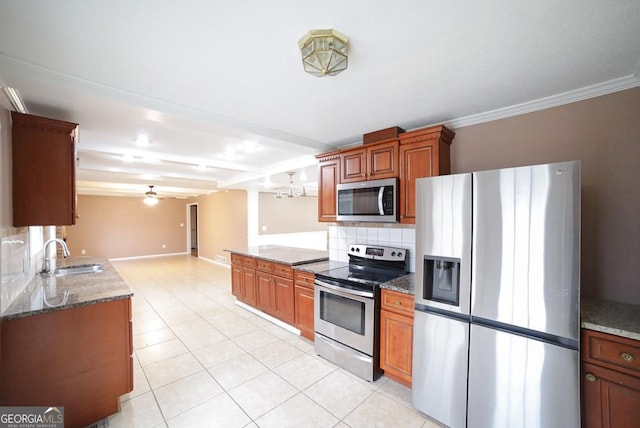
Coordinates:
496 330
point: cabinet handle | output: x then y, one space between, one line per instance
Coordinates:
590 377
627 357
398 302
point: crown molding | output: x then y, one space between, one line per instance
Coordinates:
627 82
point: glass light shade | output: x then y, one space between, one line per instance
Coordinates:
324 52
151 201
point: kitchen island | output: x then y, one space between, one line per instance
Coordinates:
66 341
273 280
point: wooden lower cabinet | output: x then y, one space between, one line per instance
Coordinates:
304 303
284 299
265 292
396 336
610 381
276 289
78 358
243 279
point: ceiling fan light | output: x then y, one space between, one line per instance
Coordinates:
151 201
151 197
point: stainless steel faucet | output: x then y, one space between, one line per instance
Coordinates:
46 262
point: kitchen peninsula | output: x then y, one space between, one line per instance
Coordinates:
273 279
66 341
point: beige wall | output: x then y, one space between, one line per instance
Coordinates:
222 222
604 133
112 227
288 215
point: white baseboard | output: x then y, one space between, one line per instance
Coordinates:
267 317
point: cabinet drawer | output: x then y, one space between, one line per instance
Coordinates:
304 279
245 261
397 302
278 269
611 351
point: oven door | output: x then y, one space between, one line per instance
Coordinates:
346 316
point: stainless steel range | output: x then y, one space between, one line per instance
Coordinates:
347 307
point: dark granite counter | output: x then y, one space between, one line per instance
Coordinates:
287 255
322 266
620 319
405 284
51 293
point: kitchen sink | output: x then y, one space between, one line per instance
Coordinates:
78 269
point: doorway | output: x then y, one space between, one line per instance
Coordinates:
193 229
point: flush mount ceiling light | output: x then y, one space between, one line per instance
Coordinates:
290 193
324 52
151 197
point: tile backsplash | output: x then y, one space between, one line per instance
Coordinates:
340 237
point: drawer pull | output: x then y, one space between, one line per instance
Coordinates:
590 377
398 302
627 357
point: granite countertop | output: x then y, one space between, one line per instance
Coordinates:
317 267
287 255
620 319
50 293
404 284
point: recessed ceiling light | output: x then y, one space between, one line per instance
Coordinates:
200 167
143 141
250 147
229 154
127 158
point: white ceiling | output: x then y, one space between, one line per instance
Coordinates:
201 77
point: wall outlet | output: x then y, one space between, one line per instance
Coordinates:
164 246
83 251
264 228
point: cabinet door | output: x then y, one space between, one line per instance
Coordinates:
416 162
328 179
265 292
304 311
44 181
236 281
609 399
396 346
354 165
249 295
382 161
284 299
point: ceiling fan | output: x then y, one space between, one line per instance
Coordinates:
290 193
151 197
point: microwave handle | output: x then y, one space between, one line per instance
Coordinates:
380 194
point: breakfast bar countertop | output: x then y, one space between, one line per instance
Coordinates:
53 293
280 254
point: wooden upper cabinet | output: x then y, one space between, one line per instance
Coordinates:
328 179
44 165
371 162
423 153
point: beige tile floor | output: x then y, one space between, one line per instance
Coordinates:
203 361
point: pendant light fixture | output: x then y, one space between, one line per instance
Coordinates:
151 197
324 52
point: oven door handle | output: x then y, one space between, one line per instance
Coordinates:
344 289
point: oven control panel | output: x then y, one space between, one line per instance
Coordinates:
377 252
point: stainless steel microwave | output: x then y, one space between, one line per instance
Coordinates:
368 201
